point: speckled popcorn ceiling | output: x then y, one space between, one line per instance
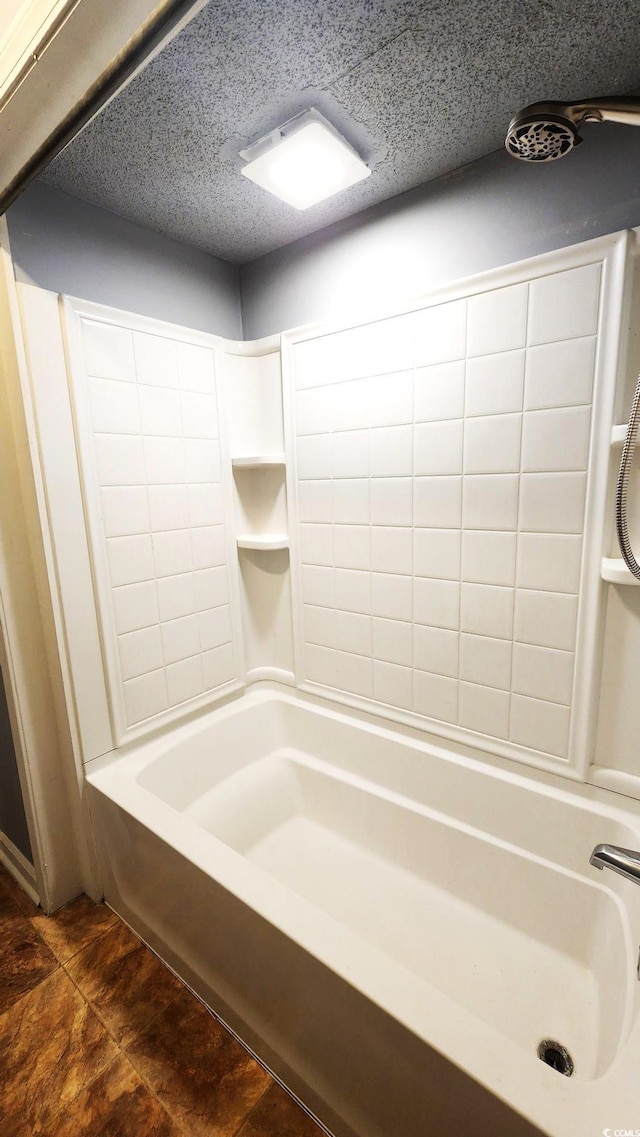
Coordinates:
419 88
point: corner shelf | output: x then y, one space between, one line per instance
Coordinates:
267 542
618 434
254 461
615 571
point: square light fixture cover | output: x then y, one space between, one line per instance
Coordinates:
308 165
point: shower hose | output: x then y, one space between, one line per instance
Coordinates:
623 484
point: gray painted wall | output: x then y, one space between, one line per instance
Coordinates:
489 213
67 245
12 819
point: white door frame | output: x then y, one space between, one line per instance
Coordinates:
50 777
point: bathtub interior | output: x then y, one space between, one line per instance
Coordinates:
506 928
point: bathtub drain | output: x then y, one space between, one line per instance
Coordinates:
556 1055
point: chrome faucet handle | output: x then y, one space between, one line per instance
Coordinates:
626 862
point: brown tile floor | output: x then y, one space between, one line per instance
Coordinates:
99 1039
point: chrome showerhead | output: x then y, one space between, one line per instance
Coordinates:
543 132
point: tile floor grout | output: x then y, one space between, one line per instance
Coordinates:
98 1013
122 1051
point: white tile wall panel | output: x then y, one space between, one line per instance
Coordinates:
491 502
108 351
486 661
442 503
392 595
497 320
438 448
393 641
389 399
564 305
168 507
176 596
180 639
141 652
317 585
351 501
492 444
436 603
349 454
435 650
120 460
135 606
353 633
215 628
486 610
352 546
440 333
201 460
208 546
195 368
171 553
321 665
437 502
436 553
541 726
545 618
552 503
392 549
130 559
439 392
435 696
352 590
114 407
320 624
145 696
199 415
393 684
495 384
159 410
314 457
184 680
147 422
355 674
164 461
542 673
556 440
391 452
391 501
549 562
488 558
217 665
484 709
560 374
125 510
156 360
316 501
211 587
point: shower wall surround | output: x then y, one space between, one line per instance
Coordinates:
147 411
442 462
444 503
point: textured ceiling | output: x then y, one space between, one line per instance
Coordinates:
420 88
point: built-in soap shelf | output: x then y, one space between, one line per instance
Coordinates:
267 542
256 461
260 500
613 569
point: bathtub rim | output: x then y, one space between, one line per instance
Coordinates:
470 1043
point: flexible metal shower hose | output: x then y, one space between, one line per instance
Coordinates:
623 484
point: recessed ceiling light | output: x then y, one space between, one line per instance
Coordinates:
304 161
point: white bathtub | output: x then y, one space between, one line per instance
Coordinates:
392 927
